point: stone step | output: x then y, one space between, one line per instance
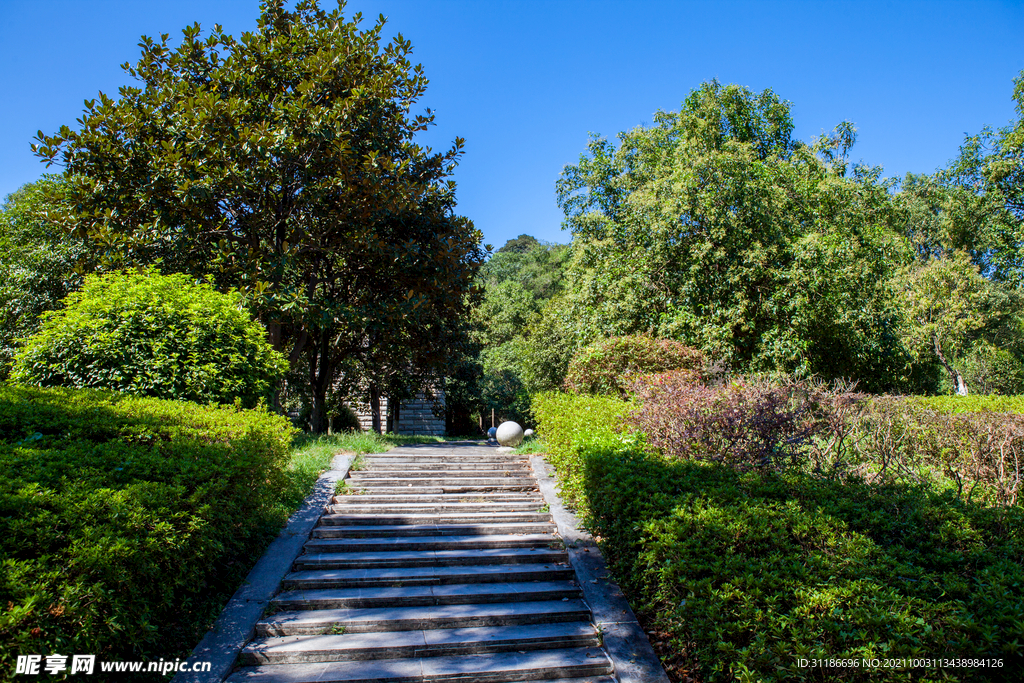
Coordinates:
348 545
495 667
428 558
357 519
408 596
444 480
431 575
354 506
385 530
366 620
466 489
441 500
422 643
446 467
405 473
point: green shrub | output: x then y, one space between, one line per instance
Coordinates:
748 572
973 404
605 367
126 522
155 335
571 423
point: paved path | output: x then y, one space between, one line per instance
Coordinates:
442 562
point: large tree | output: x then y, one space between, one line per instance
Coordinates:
716 227
284 164
39 261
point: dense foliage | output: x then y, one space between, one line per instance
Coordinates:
521 280
38 262
717 228
153 335
125 522
284 164
744 570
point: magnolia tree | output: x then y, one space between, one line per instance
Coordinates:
284 164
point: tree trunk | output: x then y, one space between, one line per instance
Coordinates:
320 376
958 380
375 408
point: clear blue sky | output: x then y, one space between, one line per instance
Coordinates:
525 82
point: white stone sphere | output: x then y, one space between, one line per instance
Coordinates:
528 433
509 434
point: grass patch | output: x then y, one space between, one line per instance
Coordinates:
531 446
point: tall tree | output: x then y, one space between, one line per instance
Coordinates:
715 227
39 261
283 164
946 304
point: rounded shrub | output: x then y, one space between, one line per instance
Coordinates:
604 367
149 334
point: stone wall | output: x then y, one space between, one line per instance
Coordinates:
415 417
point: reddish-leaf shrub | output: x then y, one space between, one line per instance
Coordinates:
607 366
746 423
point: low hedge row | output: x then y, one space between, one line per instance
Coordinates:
125 521
748 572
973 404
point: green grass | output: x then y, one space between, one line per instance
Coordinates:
531 446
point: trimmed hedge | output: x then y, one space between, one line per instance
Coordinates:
973 404
746 572
570 425
125 522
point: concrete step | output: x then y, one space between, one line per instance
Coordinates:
487 667
440 499
422 643
349 545
353 504
413 576
387 530
411 618
391 456
408 596
357 519
436 475
428 558
444 467
442 479
469 489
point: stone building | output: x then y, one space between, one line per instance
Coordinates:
413 417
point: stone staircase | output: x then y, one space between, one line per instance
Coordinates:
431 564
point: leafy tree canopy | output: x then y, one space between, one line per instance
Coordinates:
716 228
39 261
284 164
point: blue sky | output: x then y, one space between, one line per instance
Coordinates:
526 81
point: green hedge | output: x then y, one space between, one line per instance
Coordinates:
973 404
570 424
125 522
748 572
